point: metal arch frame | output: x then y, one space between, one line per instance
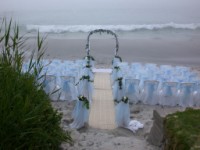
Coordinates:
102 31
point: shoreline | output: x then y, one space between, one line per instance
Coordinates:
183 52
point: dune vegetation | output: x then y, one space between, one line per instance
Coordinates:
182 130
27 119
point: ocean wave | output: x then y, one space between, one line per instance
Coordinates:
125 28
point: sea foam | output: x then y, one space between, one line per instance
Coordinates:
123 28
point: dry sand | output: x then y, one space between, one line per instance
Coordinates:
172 51
89 138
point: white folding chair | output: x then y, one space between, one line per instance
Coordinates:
150 92
50 87
186 95
68 90
132 89
168 94
197 95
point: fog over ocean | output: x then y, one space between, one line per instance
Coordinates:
159 31
75 17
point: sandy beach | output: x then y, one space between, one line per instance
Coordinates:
158 32
88 138
184 52
173 51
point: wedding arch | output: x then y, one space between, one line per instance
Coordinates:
102 31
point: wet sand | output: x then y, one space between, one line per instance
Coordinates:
160 51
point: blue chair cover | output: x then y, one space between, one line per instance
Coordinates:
197 96
136 67
117 92
186 94
122 114
80 115
85 88
168 95
68 90
86 72
50 86
150 93
132 89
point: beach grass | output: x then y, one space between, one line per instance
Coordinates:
182 130
27 119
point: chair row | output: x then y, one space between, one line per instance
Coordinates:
170 93
68 87
161 73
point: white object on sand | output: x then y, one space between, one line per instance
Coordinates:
134 125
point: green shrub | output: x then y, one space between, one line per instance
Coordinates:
27 119
182 130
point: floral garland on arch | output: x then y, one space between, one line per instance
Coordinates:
119 82
88 66
102 31
116 56
116 101
89 57
84 78
85 101
117 68
124 99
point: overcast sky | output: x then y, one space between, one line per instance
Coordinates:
179 5
140 11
